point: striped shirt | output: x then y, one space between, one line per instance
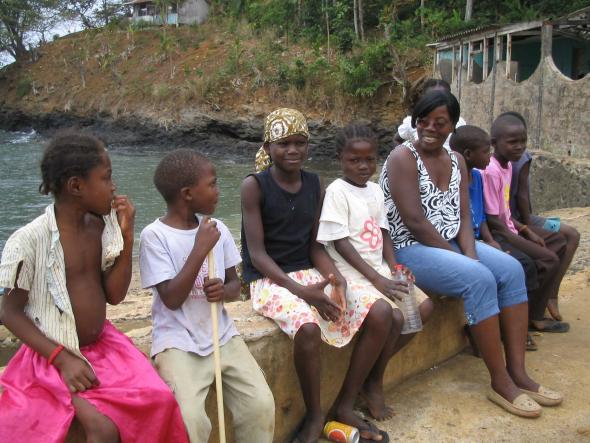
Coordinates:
43 273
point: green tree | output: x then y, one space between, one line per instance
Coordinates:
25 22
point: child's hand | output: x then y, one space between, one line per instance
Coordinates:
125 214
391 288
409 275
207 235
407 271
316 297
75 372
214 289
530 235
338 294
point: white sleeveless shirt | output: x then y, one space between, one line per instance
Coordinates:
441 209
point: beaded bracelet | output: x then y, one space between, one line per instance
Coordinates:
54 354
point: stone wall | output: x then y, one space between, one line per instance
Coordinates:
555 106
559 182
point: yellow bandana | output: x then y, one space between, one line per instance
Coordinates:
279 124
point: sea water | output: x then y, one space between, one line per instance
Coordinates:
133 170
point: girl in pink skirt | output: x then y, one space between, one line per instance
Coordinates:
59 272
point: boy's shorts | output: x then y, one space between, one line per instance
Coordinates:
549 224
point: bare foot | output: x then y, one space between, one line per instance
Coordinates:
375 402
367 430
310 431
553 309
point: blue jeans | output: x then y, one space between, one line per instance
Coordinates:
486 286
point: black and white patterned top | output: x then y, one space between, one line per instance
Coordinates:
442 209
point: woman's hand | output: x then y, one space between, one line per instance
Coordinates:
75 372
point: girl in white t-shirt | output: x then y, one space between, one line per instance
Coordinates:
354 228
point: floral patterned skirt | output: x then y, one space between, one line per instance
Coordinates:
291 312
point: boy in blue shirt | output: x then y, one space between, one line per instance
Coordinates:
474 145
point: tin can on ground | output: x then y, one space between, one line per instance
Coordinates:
341 433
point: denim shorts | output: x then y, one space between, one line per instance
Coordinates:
486 286
548 223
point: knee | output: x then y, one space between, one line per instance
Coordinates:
260 408
308 337
572 236
380 316
426 308
193 413
512 273
485 283
482 293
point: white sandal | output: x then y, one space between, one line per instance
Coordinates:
522 405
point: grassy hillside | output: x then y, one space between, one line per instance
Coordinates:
160 73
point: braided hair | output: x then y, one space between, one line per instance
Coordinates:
69 154
352 132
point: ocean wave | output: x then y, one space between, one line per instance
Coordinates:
22 137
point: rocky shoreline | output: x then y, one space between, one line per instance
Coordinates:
556 182
218 133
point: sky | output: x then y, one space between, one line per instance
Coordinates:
64 28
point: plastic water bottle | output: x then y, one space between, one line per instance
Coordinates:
408 305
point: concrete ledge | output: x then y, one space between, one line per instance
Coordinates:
441 339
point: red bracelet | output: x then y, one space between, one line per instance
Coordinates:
54 354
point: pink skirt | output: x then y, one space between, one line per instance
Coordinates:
36 405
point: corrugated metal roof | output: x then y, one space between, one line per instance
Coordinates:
465 33
571 18
134 2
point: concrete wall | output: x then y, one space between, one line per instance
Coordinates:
559 182
555 106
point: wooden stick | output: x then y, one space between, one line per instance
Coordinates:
216 356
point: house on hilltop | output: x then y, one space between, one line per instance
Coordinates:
187 12
538 68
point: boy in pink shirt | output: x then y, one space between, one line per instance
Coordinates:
545 248
496 188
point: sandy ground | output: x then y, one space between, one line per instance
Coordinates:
448 402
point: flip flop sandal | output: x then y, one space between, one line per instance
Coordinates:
522 406
530 343
555 326
545 396
375 430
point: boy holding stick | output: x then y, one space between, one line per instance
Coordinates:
174 262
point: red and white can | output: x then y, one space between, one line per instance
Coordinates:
341 433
